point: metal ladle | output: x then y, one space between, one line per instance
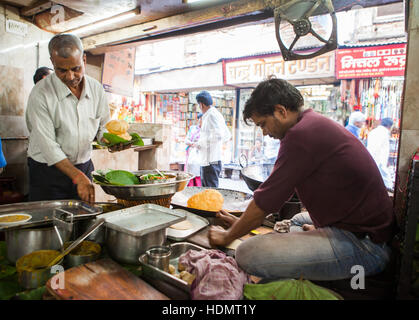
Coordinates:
96 225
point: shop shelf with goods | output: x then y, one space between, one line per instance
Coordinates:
130 109
324 99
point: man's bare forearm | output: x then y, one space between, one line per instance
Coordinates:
66 167
250 219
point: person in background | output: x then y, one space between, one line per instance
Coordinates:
3 162
192 157
256 154
65 112
214 133
356 122
41 73
349 219
378 144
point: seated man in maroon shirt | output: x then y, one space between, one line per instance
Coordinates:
349 214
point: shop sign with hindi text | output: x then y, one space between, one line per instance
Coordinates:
254 70
371 62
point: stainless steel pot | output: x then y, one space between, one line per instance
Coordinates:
98 235
32 277
126 248
73 259
21 242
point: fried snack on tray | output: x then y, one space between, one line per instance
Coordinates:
188 277
119 127
208 200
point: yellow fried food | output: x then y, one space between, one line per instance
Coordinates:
209 200
172 269
119 127
188 277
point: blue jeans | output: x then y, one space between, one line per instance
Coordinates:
322 254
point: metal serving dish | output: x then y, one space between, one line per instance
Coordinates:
153 274
235 202
131 231
148 191
42 211
197 223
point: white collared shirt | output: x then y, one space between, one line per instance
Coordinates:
62 126
214 133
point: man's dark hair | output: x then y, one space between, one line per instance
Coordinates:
64 45
204 97
40 73
269 93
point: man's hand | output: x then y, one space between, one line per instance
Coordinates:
218 236
85 188
227 218
308 227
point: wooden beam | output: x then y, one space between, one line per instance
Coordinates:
209 15
176 22
36 8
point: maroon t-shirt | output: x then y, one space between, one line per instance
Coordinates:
334 176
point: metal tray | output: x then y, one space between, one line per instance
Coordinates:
148 191
142 219
152 273
197 222
42 211
235 202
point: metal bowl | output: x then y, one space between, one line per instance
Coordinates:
126 248
29 276
76 257
148 191
170 178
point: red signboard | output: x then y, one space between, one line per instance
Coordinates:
371 62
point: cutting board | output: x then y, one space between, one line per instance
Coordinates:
102 280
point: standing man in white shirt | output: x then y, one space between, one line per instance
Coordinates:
378 144
65 112
214 133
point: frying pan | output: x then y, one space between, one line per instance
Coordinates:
255 175
235 202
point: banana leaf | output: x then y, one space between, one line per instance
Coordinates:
35 294
8 289
288 290
121 178
115 139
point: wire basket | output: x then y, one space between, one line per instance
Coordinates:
161 201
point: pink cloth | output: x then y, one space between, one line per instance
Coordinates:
195 182
218 277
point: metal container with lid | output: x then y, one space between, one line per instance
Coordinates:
131 231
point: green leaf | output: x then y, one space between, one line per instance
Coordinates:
6 270
121 177
115 139
137 141
35 294
8 289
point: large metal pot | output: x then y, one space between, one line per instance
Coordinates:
20 242
127 248
98 235
30 274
